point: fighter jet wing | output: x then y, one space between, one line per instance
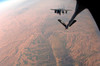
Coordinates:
62 23
67 10
53 9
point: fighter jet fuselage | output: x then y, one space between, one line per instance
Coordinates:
60 11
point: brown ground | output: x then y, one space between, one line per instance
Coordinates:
31 36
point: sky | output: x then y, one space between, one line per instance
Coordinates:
5 4
3 1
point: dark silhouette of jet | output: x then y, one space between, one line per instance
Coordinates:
93 7
60 11
66 27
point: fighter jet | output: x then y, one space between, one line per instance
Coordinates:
83 4
66 26
60 11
